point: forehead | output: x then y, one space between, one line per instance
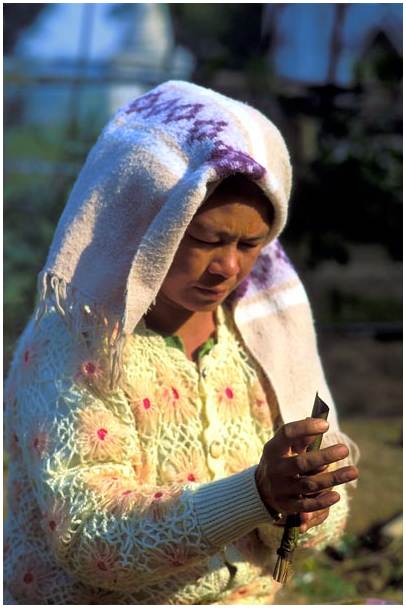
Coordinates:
238 201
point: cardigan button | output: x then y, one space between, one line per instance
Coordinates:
216 449
168 473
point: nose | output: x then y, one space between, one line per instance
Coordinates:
226 263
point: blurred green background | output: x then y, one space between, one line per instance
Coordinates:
330 77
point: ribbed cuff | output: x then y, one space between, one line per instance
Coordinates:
229 508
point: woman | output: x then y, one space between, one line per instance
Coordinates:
157 401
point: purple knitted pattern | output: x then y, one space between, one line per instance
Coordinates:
171 110
272 268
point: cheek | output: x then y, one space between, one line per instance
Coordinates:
248 263
188 264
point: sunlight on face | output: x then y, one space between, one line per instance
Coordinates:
219 248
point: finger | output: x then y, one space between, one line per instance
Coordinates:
316 483
302 443
316 503
301 432
310 520
321 469
309 461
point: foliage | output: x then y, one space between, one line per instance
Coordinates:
33 203
222 36
351 191
357 198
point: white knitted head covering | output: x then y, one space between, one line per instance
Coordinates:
154 164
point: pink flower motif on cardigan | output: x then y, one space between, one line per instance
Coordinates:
146 413
105 482
253 592
185 467
118 494
175 556
259 406
30 356
237 596
128 500
91 372
142 394
56 523
13 445
16 495
30 580
176 406
231 400
101 436
162 500
40 443
10 392
100 563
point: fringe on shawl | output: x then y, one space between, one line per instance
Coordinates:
98 334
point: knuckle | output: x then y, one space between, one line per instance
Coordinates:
301 463
310 485
313 504
328 455
288 431
305 504
320 502
336 478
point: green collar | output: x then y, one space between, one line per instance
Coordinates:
177 342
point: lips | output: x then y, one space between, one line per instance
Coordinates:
213 291
216 290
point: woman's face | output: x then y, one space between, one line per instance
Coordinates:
218 250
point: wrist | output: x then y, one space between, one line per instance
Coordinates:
276 515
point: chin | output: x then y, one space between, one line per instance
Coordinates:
201 304
199 307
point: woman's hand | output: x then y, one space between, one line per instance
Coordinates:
291 480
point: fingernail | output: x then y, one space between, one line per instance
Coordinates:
348 476
322 424
343 450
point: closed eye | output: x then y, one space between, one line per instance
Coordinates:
248 245
242 244
212 243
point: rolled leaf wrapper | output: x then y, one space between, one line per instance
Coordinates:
283 566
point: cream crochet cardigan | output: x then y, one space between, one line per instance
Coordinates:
146 495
